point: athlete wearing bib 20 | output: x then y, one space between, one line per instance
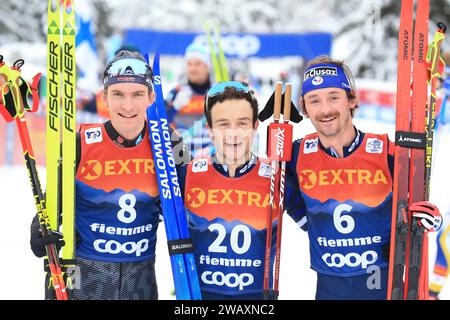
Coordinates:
345 179
227 199
227 220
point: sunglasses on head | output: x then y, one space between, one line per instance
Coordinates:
128 67
220 88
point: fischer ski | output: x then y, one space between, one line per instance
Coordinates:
61 125
68 129
53 114
187 286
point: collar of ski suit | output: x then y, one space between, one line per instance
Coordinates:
240 171
348 150
122 142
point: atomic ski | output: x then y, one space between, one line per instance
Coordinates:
187 286
408 254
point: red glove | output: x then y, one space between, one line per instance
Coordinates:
428 214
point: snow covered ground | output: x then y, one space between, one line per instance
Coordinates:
21 274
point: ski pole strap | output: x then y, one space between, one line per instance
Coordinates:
433 53
180 246
16 90
416 140
65 263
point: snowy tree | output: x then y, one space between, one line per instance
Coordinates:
367 34
23 21
364 32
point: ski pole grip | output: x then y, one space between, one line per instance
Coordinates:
287 102
277 102
279 142
442 27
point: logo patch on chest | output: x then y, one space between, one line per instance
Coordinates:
311 146
374 145
200 165
93 135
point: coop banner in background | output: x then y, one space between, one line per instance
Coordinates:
239 45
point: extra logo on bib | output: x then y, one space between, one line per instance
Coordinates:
93 135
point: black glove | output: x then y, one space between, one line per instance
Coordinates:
38 242
386 251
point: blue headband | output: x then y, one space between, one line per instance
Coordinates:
325 75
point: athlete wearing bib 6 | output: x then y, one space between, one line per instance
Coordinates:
345 180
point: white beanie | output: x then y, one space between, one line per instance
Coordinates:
198 51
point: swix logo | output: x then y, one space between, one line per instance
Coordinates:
157 79
280 142
93 135
197 197
310 179
93 169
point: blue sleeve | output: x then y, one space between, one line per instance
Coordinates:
390 159
181 155
294 203
170 110
182 170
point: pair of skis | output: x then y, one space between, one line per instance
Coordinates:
279 150
408 267
61 123
187 286
218 59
